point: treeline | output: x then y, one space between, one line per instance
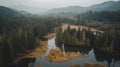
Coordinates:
74 37
102 16
101 20
18 33
108 16
107 41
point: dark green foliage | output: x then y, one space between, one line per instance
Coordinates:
93 19
73 37
59 35
106 16
109 41
18 32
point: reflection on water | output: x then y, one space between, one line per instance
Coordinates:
63 49
82 50
94 56
112 61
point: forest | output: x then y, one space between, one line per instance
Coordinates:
108 41
19 32
106 21
73 36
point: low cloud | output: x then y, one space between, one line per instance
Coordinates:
44 5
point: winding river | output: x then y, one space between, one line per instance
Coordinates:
94 56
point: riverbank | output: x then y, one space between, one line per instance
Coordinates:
43 46
35 53
57 55
87 64
50 35
38 51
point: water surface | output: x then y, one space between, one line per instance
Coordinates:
94 56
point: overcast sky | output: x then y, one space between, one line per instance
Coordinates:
44 5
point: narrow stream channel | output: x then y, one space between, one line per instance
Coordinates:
94 56
51 45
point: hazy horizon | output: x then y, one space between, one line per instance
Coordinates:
36 6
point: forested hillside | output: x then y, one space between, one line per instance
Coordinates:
18 32
72 10
101 20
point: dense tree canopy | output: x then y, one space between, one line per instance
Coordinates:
107 41
18 32
73 37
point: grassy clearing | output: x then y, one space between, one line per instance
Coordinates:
64 26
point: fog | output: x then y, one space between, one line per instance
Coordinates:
36 6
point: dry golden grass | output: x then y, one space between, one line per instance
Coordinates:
56 55
86 64
38 51
64 26
50 35
75 65
35 53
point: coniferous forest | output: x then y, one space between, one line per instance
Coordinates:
107 41
20 31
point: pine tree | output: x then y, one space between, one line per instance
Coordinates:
59 35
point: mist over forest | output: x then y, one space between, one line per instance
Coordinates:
67 33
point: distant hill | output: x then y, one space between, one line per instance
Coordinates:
105 6
11 17
77 9
8 11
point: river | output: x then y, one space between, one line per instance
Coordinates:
94 56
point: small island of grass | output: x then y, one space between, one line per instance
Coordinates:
56 55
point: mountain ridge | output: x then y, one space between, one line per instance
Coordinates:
105 6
